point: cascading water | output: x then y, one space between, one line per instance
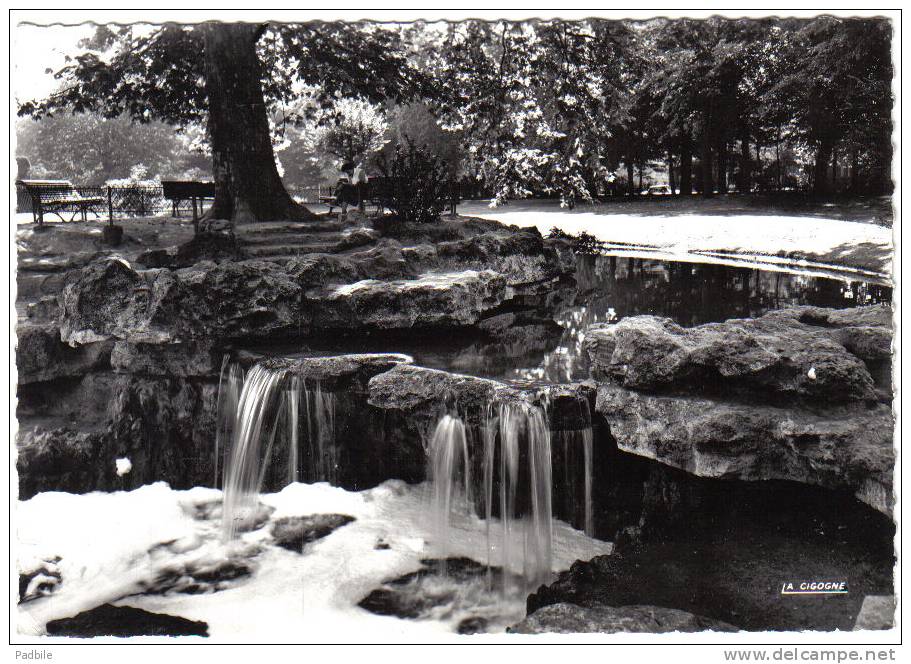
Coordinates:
260 417
501 468
514 481
319 408
230 384
244 472
573 461
448 452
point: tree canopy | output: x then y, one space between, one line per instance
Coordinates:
551 107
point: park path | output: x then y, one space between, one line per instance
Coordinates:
769 238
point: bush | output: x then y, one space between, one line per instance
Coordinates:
419 183
583 243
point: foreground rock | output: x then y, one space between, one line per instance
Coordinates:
776 354
572 619
788 395
846 447
293 532
125 621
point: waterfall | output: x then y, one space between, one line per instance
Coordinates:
515 486
448 452
258 424
246 466
230 383
573 480
526 488
320 407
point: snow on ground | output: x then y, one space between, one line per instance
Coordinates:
107 545
851 243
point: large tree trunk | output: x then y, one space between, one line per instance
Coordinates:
247 185
686 167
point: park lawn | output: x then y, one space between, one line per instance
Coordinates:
848 236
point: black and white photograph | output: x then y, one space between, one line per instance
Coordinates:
455 327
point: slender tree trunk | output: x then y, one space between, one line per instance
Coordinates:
706 164
723 167
834 170
670 172
854 174
630 176
247 184
823 155
745 166
686 167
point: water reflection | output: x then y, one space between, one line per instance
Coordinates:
540 339
608 288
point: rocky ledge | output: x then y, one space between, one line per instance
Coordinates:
260 299
789 395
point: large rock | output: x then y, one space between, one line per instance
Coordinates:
163 425
844 447
409 388
522 256
178 359
251 298
566 618
324 269
775 355
109 300
864 331
431 301
41 356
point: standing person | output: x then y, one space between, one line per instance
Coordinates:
359 180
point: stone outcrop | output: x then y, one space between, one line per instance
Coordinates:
110 300
432 300
846 447
785 396
773 354
565 618
41 356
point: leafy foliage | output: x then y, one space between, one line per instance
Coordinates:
582 243
88 149
419 183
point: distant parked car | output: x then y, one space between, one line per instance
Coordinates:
658 190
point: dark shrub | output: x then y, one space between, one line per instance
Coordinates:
583 243
419 185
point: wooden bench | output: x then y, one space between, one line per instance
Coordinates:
372 194
56 197
379 191
179 191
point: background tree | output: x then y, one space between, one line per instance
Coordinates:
89 149
227 77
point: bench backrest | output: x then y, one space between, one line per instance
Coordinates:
182 189
47 190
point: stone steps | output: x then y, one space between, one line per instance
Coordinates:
291 239
281 227
289 250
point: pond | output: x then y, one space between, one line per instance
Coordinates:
540 341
